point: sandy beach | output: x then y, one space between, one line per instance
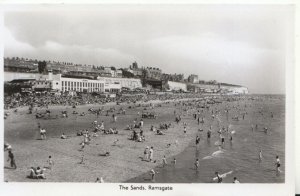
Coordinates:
125 160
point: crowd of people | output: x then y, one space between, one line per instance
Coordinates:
46 99
193 109
224 133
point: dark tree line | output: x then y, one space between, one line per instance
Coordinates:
42 67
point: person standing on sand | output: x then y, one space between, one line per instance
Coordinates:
11 157
222 139
102 126
197 164
260 156
151 154
266 130
82 159
43 133
114 118
164 160
208 134
50 163
146 152
141 123
197 140
174 161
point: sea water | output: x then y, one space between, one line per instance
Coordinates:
240 156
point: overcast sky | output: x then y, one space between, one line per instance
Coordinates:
243 45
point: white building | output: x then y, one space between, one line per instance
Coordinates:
177 86
112 88
75 84
102 84
78 85
130 83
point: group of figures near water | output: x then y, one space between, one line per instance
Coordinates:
220 133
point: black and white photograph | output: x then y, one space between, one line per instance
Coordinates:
146 96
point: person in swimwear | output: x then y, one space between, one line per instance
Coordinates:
235 180
260 156
219 178
277 163
197 140
197 164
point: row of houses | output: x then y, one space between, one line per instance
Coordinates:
72 77
133 71
65 83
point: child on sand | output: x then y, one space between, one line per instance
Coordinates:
174 161
152 173
50 163
235 180
40 173
63 136
197 164
99 180
164 160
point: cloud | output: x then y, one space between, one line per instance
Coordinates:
235 44
12 46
